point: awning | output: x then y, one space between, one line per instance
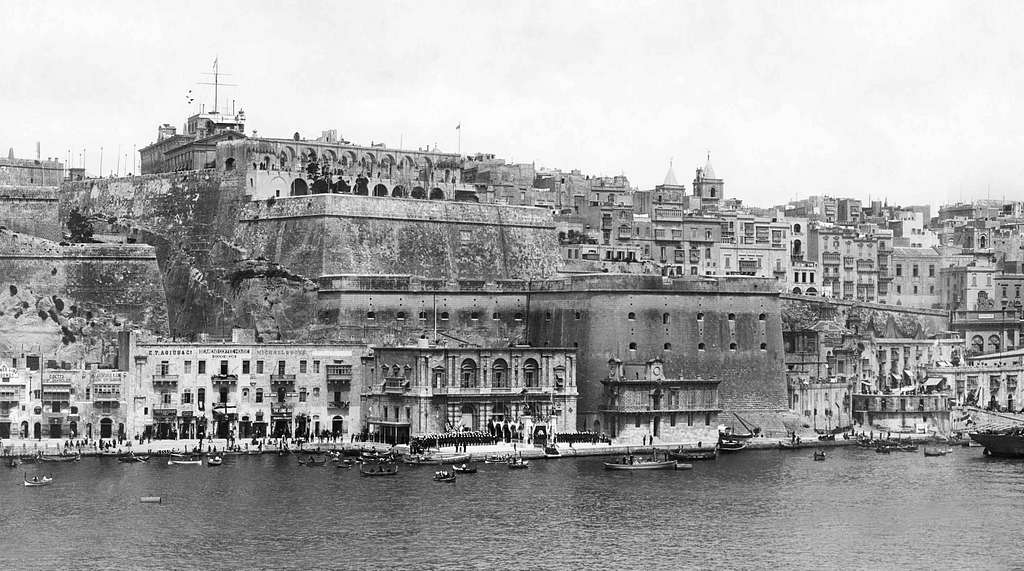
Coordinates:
907 375
934 382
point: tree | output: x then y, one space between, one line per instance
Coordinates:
79 227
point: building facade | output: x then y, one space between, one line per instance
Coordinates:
505 391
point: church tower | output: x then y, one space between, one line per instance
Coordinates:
708 187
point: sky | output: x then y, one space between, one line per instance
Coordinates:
909 102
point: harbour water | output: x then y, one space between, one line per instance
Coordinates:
757 509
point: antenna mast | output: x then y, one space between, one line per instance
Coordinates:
217 83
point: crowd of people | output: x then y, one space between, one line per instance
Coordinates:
582 437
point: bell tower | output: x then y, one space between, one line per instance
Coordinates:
708 187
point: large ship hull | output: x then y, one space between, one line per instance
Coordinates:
996 444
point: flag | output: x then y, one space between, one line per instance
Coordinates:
458 127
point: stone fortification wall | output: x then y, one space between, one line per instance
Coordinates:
728 329
30 210
67 302
588 312
335 233
231 262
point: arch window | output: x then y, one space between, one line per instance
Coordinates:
444 316
400 316
667 347
530 376
371 315
499 374
762 317
978 343
631 316
764 346
732 317
436 194
518 317
700 316
547 316
468 376
994 343
664 319
732 346
495 316
700 346
632 346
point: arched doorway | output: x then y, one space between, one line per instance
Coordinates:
436 194
380 190
419 192
468 418
106 428
597 426
73 429
299 187
398 192
37 431
337 425
796 290
24 429
302 426
88 430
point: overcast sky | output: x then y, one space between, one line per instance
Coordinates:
913 102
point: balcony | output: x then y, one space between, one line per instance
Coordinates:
224 379
165 380
395 386
282 379
10 397
337 404
106 396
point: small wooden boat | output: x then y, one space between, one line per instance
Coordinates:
215 461
936 451
37 481
784 445
60 458
132 459
518 464
819 456
908 447
183 462
313 461
883 450
378 469
731 446
639 464
497 459
464 469
551 451
699 453
436 459
444 476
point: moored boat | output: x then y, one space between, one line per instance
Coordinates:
497 458
696 453
215 461
518 463
936 451
819 455
436 459
727 446
641 464
464 469
60 458
313 461
132 459
184 462
552 451
1007 443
